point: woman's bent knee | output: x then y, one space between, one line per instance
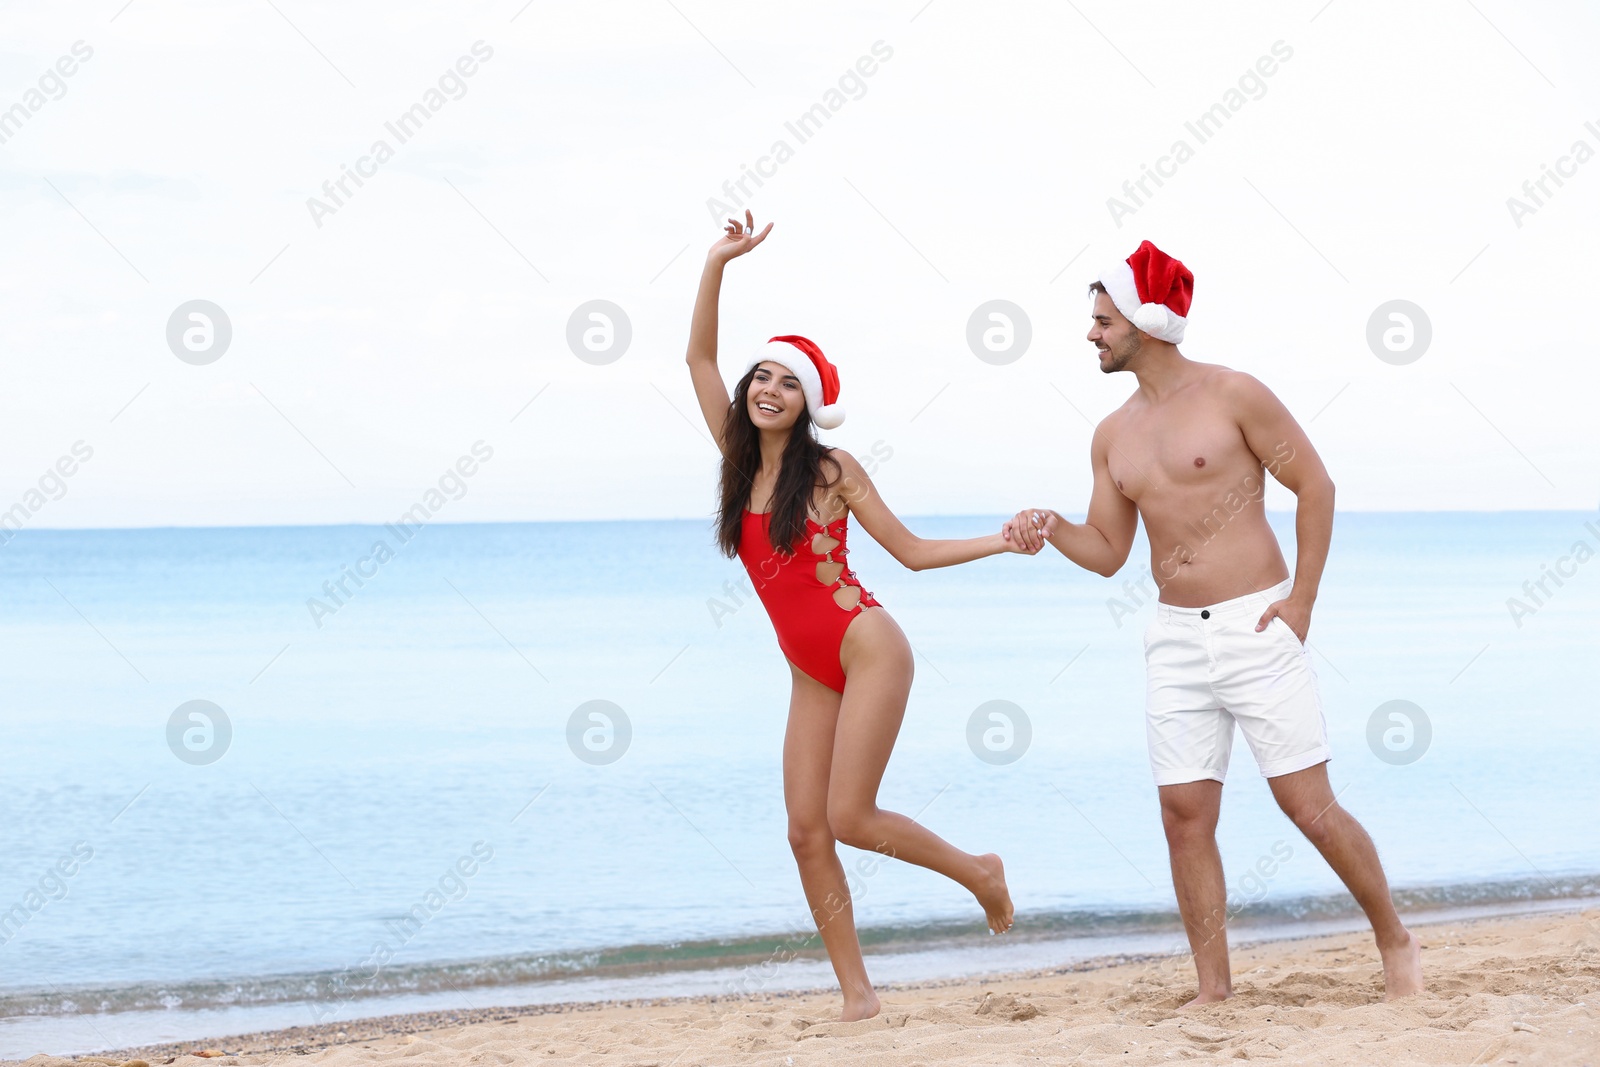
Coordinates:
853 828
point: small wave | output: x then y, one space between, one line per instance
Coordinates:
333 988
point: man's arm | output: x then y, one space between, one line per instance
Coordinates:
1102 541
1285 450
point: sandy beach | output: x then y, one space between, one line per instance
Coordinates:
1510 990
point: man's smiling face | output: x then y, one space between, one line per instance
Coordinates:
1117 339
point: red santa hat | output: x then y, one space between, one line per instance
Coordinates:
1153 290
819 379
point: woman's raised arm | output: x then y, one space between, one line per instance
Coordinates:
709 387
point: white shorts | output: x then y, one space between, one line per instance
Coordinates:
1207 668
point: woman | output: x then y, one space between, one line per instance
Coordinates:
785 502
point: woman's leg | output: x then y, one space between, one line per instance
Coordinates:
807 760
877 661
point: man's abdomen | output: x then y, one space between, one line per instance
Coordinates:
1214 556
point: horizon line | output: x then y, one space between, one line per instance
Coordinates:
6 535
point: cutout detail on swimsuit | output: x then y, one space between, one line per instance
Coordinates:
832 569
822 544
828 568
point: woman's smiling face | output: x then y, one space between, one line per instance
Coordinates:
774 400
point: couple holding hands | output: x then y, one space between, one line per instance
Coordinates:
1186 453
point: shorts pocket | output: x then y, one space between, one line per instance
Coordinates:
1284 628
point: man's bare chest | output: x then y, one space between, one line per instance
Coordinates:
1156 453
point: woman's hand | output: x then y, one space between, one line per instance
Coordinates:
741 238
1014 544
1028 530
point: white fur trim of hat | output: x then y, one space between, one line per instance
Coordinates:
802 365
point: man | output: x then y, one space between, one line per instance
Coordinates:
1186 453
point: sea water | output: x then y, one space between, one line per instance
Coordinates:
398 801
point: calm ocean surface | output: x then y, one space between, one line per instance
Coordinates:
398 810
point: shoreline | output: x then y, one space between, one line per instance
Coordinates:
750 962
1152 984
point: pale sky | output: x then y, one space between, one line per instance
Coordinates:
974 163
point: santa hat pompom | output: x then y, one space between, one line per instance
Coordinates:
828 416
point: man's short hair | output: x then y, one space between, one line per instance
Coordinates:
1096 287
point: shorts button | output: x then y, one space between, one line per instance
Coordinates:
1205 614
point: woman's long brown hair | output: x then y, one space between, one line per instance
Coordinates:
798 477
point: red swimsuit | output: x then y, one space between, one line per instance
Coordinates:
809 622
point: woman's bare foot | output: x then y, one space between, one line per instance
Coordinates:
1402 968
862 1007
993 894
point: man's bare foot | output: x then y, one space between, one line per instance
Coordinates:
993 894
1208 998
1402 968
860 1007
